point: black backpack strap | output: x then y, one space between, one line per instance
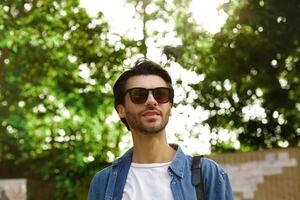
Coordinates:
197 177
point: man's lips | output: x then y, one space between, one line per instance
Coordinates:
150 113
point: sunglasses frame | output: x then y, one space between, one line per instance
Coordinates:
170 96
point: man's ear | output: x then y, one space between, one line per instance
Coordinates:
121 111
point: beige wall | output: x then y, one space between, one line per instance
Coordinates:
263 175
13 189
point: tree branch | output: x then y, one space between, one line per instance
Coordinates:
145 36
4 54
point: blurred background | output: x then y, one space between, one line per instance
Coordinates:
235 67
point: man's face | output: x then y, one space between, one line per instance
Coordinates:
150 117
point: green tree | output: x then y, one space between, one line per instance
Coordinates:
252 62
57 67
157 19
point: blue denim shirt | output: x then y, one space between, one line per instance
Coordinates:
109 183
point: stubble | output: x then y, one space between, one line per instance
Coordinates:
135 122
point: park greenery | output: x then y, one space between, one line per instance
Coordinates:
58 66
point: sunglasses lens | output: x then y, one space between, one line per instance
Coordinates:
162 95
138 95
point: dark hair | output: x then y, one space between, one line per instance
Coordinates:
142 66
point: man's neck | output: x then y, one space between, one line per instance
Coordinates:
151 148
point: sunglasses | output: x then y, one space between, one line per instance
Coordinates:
160 94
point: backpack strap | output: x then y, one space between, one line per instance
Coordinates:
197 177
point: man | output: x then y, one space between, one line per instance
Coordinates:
152 169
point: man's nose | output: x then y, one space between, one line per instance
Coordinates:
151 100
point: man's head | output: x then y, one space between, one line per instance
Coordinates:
145 89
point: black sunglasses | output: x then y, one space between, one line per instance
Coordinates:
160 94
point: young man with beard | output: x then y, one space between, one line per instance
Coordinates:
152 168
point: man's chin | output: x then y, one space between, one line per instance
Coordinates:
152 130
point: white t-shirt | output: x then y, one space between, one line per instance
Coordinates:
148 182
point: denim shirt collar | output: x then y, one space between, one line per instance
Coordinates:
177 165
178 162
127 157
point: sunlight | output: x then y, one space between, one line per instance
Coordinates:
120 15
181 127
207 14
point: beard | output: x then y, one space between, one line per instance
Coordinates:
135 122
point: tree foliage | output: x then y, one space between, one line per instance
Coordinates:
251 65
57 67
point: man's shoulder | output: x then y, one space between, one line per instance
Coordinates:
101 178
211 167
216 181
211 170
103 174
99 183
209 163
206 162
